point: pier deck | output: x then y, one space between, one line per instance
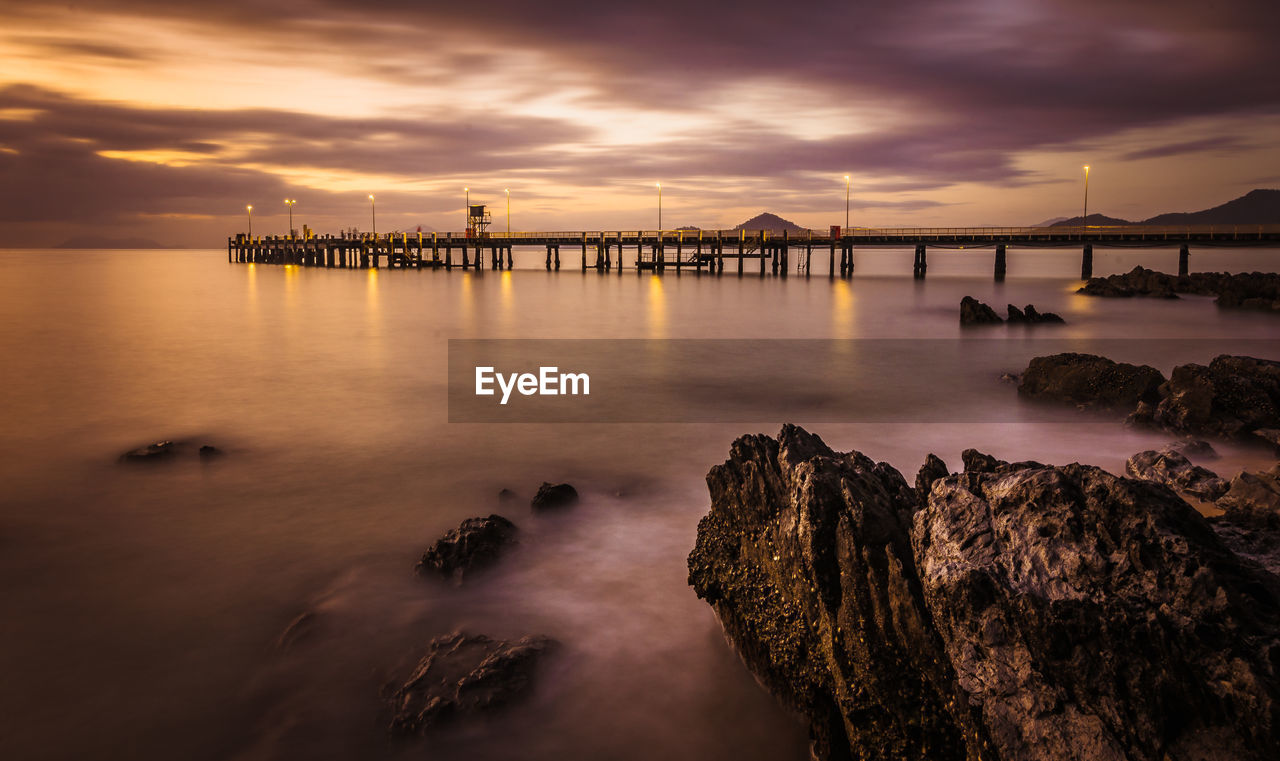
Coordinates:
657 250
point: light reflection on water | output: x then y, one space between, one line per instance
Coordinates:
141 604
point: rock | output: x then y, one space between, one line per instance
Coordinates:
157 452
1084 615
1090 381
1198 448
1010 377
932 469
1174 470
1033 316
1022 612
1269 435
1015 314
974 312
1252 290
463 675
508 498
1253 499
209 452
806 559
980 462
476 543
1233 396
550 497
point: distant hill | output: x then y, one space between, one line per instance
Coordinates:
97 241
1257 207
770 222
1094 219
1049 222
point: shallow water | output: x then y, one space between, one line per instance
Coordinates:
142 604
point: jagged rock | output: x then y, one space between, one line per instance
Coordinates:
1233 396
1139 281
980 462
1015 314
464 675
208 452
1171 468
1084 614
974 312
1269 435
476 543
806 559
1010 377
157 452
1090 381
552 496
1023 612
507 498
932 469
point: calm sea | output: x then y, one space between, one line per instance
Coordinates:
141 605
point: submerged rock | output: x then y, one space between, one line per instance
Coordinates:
1173 469
209 451
463 675
1090 381
1031 316
974 312
476 543
551 496
1198 448
157 452
1245 290
1022 612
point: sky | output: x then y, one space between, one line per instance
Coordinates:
165 120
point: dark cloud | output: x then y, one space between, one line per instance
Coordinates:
1188 146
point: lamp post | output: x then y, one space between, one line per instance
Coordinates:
249 208
846 202
1085 219
467 209
659 207
373 215
508 192
290 202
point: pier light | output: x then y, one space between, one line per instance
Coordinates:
659 184
249 209
290 202
1085 219
467 210
508 192
373 215
846 202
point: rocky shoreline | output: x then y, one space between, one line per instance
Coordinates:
1252 290
1008 611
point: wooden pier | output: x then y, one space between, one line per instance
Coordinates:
766 252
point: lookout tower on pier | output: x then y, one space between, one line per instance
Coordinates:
478 220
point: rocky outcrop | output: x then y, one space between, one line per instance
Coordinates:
551 496
1250 523
1232 397
476 543
1246 290
1022 611
1031 316
1173 469
463 675
974 312
1090 382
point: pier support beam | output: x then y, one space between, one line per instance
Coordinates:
1184 259
1086 262
1000 262
922 263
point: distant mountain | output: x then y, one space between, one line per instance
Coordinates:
770 222
98 241
1049 222
1257 207
1094 219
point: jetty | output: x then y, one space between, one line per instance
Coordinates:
760 251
